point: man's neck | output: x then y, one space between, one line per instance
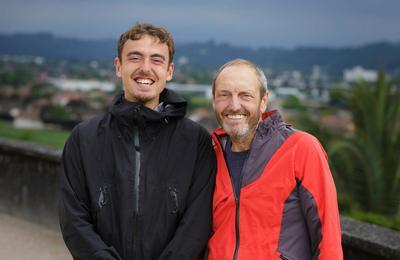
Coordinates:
240 144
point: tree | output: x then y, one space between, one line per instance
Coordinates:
367 160
293 102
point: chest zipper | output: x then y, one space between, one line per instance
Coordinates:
235 254
237 215
136 192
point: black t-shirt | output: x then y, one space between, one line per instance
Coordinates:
235 161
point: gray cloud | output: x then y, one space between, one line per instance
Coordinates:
254 23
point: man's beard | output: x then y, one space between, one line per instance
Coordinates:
237 132
242 131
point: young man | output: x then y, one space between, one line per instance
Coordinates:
137 182
274 196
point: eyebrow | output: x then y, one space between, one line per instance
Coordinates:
158 56
132 53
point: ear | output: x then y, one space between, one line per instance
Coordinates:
170 71
264 102
213 103
117 65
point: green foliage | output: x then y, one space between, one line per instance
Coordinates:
195 102
367 161
292 102
58 113
42 90
15 76
304 122
54 138
374 218
337 97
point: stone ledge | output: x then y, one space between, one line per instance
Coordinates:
370 238
30 149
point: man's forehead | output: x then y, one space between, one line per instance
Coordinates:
237 71
146 41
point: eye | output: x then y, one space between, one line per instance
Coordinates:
247 96
222 95
134 58
157 60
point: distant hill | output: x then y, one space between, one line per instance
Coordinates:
210 55
51 47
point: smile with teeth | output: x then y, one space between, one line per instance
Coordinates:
144 81
235 117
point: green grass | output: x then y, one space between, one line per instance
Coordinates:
377 219
50 137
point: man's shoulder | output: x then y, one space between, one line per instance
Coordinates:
88 127
304 142
192 126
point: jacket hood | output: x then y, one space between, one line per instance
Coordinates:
172 106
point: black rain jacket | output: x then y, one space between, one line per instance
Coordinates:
137 184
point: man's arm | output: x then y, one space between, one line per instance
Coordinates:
74 208
194 229
318 198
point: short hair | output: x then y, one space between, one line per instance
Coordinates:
262 79
136 33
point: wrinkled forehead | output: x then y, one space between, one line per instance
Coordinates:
237 76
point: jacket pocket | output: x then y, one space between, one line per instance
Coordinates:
173 200
104 215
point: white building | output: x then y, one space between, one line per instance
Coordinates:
80 84
193 89
359 73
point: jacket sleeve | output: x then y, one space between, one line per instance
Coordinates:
194 229
318 199
74 209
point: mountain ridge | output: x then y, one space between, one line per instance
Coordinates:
210 55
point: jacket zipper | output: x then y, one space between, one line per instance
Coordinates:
237 204
137 169
237 198
136 190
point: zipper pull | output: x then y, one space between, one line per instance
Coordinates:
102 198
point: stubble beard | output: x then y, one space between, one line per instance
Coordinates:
243 131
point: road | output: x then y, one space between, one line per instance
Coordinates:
23 240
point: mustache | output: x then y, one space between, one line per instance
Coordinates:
235 112
142 73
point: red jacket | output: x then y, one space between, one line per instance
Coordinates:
287 206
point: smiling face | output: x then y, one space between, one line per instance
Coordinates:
144 69
237 103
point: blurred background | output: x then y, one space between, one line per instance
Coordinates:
332 66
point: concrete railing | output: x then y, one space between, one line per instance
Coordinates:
29 189
29 181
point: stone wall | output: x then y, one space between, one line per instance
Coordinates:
29 190
29 181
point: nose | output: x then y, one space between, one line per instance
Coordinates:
235 103
146 65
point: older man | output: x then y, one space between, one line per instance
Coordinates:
275 197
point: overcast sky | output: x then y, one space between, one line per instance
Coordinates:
257 23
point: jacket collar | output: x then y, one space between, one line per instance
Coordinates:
130 114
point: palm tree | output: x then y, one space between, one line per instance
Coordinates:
367 161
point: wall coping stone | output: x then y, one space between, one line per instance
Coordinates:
370 238
30 149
